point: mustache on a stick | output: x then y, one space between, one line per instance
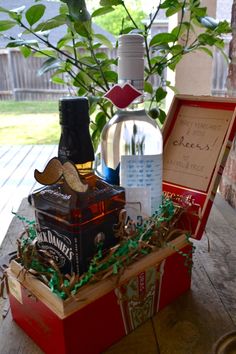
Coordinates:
55 170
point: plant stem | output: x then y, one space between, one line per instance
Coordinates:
154 16
129 15
70 59
74 48
147 53
98 64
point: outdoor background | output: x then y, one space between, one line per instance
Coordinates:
29 103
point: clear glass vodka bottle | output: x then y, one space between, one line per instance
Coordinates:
131 142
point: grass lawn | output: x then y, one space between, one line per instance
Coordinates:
29 122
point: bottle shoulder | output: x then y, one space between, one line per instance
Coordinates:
139 115
126 118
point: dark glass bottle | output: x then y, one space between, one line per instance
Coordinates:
75 143
71 223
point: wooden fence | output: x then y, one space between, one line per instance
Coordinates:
19 79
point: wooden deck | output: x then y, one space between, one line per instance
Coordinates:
17 164
191 324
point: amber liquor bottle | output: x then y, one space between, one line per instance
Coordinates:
72 223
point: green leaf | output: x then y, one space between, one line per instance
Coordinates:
173 88
162 38
176 49
127 30
22 42
223 27
162 116
49 65
81 91
180 29
154 112
6 25
111 2
206 50
57 80
102 11
63 9
168 3
173 9
160 94
101 56
104 40
206 39
157 59
148 87
100 120
25 51
83 78
16 14
45 52
80 44
54 22
199 11
219 43
83 28
2 9
174 62
111 76
34 13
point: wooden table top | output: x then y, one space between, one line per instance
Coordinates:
191 324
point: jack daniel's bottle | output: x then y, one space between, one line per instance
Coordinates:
71 223
131 144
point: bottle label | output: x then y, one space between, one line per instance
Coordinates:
61 248
141 175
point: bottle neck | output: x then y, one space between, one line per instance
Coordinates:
85 168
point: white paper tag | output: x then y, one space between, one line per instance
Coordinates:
15 288
143 171
138 204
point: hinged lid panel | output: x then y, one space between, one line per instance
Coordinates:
198 134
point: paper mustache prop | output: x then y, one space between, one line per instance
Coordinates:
55 170
122 96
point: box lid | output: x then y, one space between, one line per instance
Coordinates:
197 134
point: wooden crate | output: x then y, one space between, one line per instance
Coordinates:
102 313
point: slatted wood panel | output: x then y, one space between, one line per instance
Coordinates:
191 324
17 165
5 76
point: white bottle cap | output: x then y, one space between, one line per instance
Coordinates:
131 60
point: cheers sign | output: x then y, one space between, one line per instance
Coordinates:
193 146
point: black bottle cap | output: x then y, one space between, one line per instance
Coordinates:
74 108
75 142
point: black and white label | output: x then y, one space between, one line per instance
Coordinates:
58 245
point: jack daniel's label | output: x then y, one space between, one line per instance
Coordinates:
72 246
60 247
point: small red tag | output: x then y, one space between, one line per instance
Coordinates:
122 96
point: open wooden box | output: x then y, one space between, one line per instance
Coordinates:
197 138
